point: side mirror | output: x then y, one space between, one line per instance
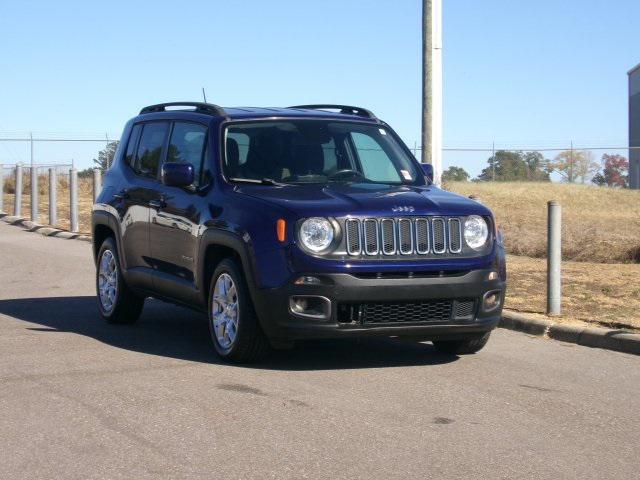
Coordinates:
177 174
427 169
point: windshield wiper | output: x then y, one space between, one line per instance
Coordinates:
263 181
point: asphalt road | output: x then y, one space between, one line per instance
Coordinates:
82 399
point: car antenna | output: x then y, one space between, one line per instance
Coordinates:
204 95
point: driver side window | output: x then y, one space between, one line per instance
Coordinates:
187 145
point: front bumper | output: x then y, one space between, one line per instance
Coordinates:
280 323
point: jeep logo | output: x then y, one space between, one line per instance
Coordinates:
403 209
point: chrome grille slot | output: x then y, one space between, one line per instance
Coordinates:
352 229
405 236
455 235
370 227
422 235
388 231
438 231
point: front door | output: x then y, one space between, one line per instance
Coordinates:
175 219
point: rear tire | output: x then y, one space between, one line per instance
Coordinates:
463 347
117 303
233 323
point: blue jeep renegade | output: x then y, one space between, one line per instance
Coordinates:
312 221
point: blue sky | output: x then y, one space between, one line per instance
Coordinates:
519 73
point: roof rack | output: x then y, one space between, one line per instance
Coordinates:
346 109
200 107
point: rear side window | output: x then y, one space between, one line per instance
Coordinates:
150 148
132 143
187 146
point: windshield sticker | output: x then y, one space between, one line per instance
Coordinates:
406 175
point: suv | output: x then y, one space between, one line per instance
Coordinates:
313 221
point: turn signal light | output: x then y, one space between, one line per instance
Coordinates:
281 230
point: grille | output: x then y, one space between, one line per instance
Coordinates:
352 228
439 242
455 235
403 236
388 227
432 311
371 237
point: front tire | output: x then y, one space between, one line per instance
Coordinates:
233 323
117 303
463 347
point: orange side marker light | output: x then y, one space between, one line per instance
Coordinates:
281 230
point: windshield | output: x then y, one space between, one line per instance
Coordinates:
316 151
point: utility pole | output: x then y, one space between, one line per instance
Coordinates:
432 86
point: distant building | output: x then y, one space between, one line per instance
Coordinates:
634 127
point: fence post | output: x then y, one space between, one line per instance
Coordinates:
53 197
17 204
97 183
554 258
73 200
33 173
1 188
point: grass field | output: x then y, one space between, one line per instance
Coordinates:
599 224
601 227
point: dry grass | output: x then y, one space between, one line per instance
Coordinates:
604 294
85 200
599 224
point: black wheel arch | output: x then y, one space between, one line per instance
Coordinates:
216 245
103 225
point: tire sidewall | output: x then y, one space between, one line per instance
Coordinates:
229 267
109 244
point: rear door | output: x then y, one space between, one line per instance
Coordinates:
175 220
144 152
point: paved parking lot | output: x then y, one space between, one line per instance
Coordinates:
82 399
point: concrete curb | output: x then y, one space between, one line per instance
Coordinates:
596 337
45 230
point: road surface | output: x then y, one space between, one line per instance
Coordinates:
82 399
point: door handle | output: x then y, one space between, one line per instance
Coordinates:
157 204
122 195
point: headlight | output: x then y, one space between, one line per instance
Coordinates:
316 234
476 232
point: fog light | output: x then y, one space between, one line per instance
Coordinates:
308 280
491 300
310 306
492 276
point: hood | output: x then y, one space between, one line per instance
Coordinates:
341 199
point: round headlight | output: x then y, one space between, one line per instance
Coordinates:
476 232
316 234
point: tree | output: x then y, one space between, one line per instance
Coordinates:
537 167
455 174
615 171
506 166
575 165
105 156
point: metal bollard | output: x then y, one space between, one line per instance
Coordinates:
1 188
97 184
554 258
73 200
17 204
53 197
33 173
